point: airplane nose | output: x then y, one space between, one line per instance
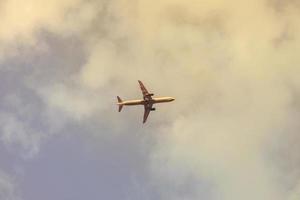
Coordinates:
172 99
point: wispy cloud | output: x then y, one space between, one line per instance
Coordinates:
7 188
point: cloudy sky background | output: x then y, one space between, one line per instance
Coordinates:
231 134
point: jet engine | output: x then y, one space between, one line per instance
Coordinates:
152 109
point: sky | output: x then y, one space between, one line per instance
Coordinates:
232 133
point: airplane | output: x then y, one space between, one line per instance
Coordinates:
147 101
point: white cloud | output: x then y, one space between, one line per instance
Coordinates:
21 22
16 133
295 193
76 102
226 62
7 188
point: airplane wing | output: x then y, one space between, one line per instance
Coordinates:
145 92
146 112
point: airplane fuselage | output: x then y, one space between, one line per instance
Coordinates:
145 102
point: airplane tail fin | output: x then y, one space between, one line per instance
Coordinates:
119 103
